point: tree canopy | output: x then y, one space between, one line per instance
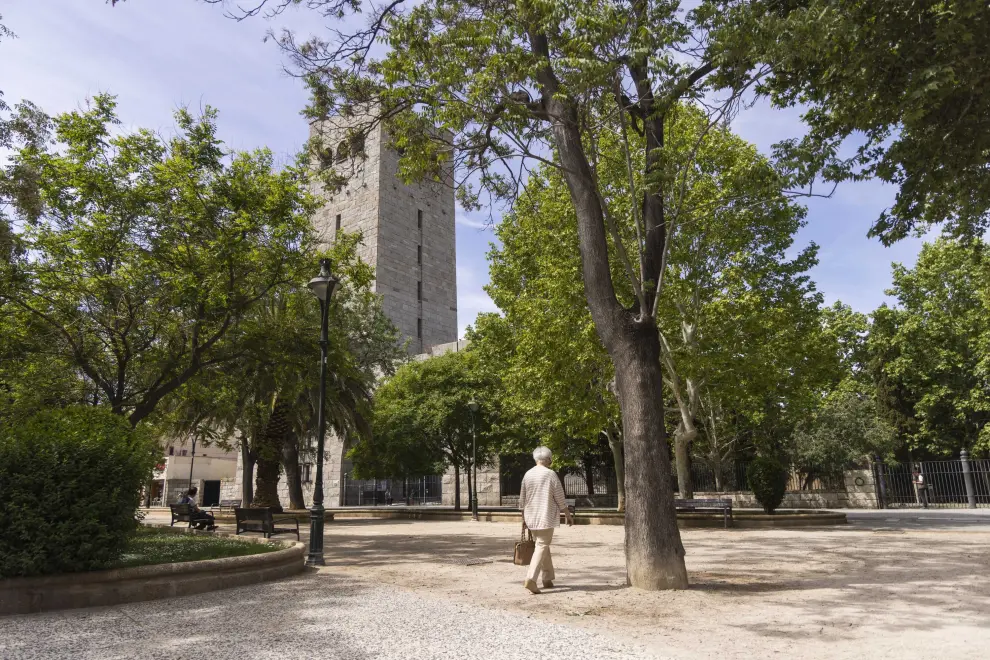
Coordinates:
931 348
138 256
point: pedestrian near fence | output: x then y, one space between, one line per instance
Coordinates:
541 499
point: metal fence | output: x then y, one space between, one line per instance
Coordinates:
601 490
940 484
383 492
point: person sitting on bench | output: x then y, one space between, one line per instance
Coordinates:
202 519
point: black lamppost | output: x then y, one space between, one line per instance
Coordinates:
322 286
473 406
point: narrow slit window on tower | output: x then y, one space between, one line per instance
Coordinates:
419 291
419 219
338 222
419 328
419 255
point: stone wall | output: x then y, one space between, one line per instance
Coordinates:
489 492
408 235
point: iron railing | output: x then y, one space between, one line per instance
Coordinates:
382 492
940 484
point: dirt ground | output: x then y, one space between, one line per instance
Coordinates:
824 593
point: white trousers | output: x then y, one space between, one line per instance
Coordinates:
541 562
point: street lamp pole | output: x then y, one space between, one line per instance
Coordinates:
473 405
322 286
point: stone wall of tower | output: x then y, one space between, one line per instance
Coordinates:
416 245
408 236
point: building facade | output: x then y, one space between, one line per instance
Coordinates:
407 232
408 237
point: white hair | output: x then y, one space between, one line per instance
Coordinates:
542 455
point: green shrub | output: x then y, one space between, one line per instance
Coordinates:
768 480
70 482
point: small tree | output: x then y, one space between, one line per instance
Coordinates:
767 477
422 421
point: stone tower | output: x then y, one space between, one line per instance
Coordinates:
408 233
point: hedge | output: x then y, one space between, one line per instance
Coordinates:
70 483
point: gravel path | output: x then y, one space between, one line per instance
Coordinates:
324 616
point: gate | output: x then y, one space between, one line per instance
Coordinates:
957 483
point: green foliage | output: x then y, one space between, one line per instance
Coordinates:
137 257
767 478
422 422
931 350
70 483
844 432
269 396
907 81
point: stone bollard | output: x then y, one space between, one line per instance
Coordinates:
968 478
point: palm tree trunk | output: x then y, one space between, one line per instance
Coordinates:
293 479
269 454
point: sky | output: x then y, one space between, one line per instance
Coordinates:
157 55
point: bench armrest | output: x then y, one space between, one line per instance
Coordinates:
281 520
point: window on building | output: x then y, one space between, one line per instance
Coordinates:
419 254
306 472
338 222
171 451
343 152
183 452
419 328
419 291
419 219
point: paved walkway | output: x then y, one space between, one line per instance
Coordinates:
325 616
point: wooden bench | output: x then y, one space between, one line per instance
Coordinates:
225 504
692 506
261 520
181 513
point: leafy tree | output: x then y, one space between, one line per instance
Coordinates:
422 421
737 318
846 430
932 345
138 256
905 82
268 399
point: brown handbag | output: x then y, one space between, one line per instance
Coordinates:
525 547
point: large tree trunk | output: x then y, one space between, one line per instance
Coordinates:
654 552
269 453
290 462
457 488
615 444
682 461
247 472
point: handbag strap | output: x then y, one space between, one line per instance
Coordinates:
525 534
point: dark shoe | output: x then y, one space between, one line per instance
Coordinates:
548 584
531 585
211 528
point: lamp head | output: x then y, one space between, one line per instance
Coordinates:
324 284
473 406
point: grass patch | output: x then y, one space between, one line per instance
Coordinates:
152 545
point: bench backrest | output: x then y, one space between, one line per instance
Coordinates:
264 516
180 509
707 503
230 503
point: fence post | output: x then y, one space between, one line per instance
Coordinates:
882 482
968 478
